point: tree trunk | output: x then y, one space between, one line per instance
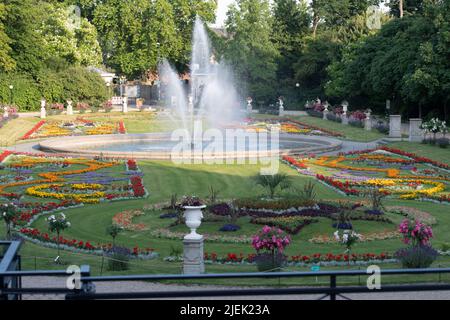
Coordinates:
400 8
315 25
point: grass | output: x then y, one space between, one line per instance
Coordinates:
163 178
425 150
16 129
349 132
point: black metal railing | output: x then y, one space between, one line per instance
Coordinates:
11 285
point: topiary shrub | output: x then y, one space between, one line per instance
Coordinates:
443 143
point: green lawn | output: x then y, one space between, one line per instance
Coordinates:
16 129
424 150
163 178
349 132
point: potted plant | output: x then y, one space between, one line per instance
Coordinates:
348 239
193 215
420 253
270 244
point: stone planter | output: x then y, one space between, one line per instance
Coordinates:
265 262
193 216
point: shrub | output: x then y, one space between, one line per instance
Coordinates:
230 228
276 205
443 142
417 256
119 258
82 85
382 128
333 117
356 123
273 182
308 194
314 113
220 209
26 92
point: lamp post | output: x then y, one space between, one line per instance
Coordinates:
11 88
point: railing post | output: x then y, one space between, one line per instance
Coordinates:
86 286
333 287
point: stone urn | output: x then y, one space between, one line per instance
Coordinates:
193 217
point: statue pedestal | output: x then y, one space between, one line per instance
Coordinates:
43 113
415 133
395 126
344 119
325 113
193 262
368 124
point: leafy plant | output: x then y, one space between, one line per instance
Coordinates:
273 182
417 256
308 193
118 259
213 194
113 231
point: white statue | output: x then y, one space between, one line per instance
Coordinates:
281 104
69 107
5 112
249 105
43 111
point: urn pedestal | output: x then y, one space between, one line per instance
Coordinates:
193 261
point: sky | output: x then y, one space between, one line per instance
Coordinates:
222 11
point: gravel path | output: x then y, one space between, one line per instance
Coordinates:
138 286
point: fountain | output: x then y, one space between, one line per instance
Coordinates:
212 95
211 99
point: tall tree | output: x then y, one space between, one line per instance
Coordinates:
291 22
6 62
22 24
250 50
136 34
399 8
406 61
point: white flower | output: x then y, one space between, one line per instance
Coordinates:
345 238
336 236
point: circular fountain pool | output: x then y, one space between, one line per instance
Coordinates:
160 146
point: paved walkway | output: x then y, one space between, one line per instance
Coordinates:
139 286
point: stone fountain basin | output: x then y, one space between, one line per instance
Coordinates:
159 145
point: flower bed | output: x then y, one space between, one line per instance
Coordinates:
395 173
287 125
125 220
33 130
374 236
168 234
88 247
317 259
78 127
